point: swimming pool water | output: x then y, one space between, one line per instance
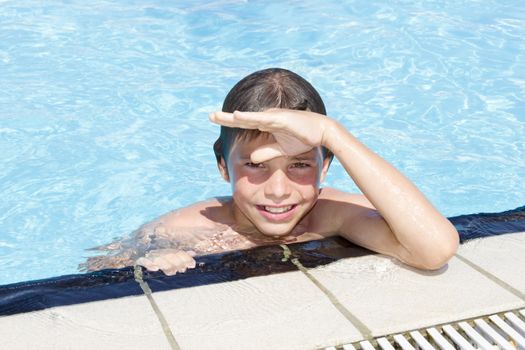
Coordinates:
103 106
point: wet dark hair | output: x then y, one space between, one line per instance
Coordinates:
262 90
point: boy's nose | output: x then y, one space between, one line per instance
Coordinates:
277 186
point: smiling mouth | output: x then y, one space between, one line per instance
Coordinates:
277 210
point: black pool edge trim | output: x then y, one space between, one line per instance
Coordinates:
481 225
225 267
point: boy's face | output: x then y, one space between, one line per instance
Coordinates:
275 195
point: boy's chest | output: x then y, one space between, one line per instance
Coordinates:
228 239
215 236
221 240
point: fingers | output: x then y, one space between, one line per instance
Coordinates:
266 152
178 262
150 265
168 266
191 253
221 118
168 260
244 120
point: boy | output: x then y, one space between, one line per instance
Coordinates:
275 147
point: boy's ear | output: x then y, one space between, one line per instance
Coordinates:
326 165
221 164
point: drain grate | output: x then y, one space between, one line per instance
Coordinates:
504 331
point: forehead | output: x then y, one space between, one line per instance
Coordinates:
244 146
252 140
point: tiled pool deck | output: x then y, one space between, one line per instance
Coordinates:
298 307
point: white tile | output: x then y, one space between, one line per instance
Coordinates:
390 297
124 323
502 256
280 311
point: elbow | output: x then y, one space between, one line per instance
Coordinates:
438 253
441 253
435 263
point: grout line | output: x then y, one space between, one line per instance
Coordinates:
366 333
493 278
165 327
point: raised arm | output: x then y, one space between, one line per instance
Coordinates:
408 226
394 217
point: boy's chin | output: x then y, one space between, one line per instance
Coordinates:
276 232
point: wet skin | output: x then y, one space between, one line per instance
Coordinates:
272 197
276 197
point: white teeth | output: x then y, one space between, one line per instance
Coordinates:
277 210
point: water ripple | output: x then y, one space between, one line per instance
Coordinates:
104 105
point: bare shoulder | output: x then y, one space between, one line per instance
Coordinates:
335 208
357 220
184 228
333 196
205 214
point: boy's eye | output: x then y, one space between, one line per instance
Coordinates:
254 165
300 165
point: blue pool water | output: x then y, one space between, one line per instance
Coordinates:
103 106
